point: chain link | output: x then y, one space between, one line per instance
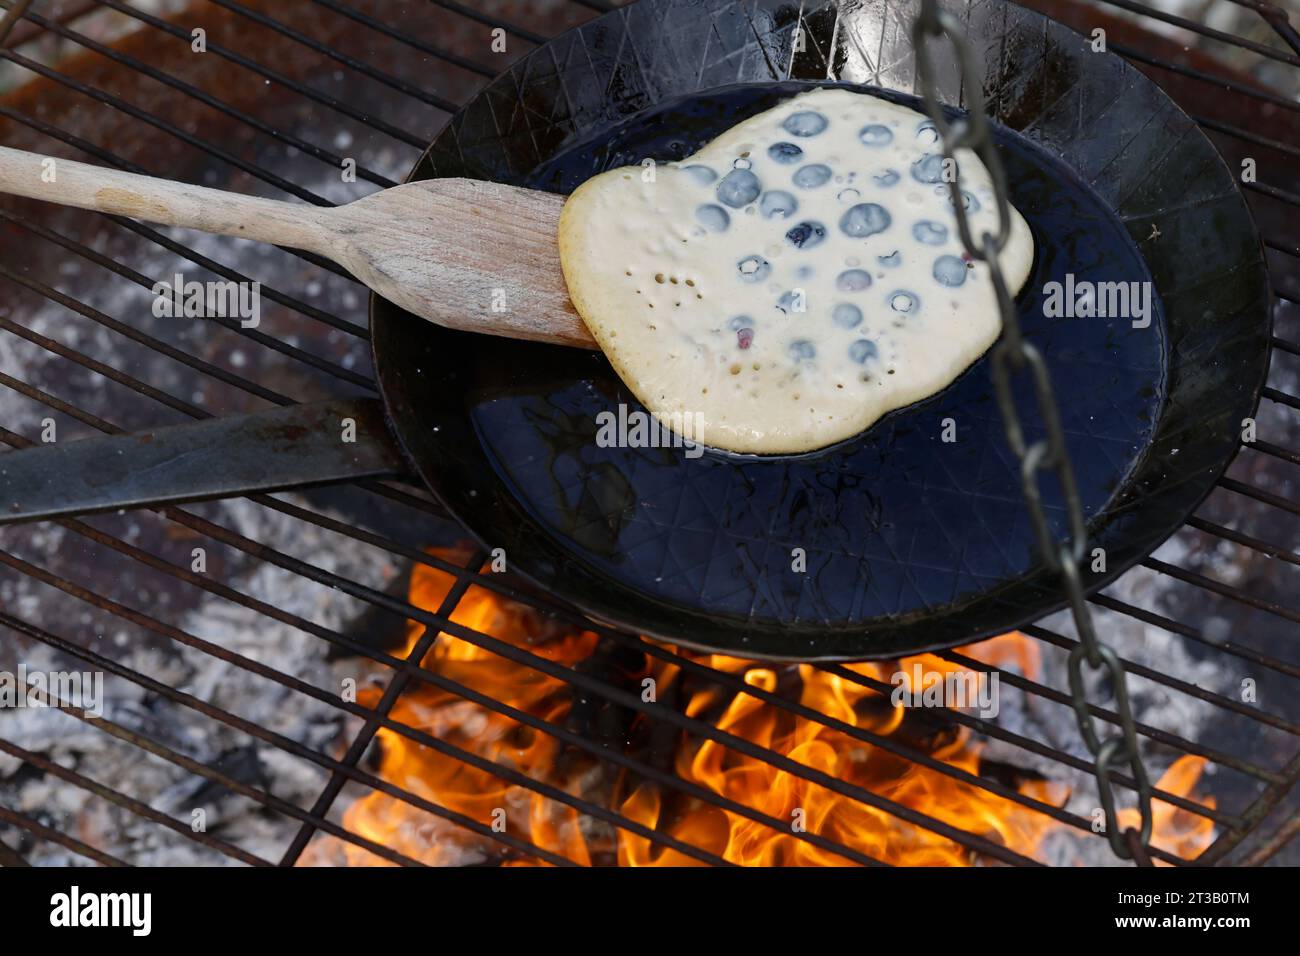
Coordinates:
1048 455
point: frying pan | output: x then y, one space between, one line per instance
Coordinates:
892 542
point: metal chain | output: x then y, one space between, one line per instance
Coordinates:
1013 354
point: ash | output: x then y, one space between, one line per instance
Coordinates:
164 786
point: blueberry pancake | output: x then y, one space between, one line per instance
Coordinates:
795 279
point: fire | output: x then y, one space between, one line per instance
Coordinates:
794 805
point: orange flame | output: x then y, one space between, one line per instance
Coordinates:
794 804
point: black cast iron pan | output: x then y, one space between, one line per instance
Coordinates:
891 542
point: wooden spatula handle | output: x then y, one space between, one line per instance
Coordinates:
476 256
70 183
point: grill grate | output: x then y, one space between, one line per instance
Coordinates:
318 352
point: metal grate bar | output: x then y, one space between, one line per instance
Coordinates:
1268 448
341 640
153 624
121 105
535 38
1278 247
11 18
362 741
185 358
39 829
586 682
142 810
1191 25
1272 192
1282 398
193 92
1246 135
1245 540
105 370
25 33
1291 347
467 577
1030 745
183 637
351 63
1145 730
1275 17
1258 545
233 325
1186 630
1254 814
1265 497
1225 590
185 252
175 131
338 106
1239 708
490 582
405 38
1204 77
279 741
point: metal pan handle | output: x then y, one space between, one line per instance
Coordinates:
290 447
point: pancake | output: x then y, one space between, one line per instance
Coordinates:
795 279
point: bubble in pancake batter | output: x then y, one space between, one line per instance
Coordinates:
754 269
903 302
927 134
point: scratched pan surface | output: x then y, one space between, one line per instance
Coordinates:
910 542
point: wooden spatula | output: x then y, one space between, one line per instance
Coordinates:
465 254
